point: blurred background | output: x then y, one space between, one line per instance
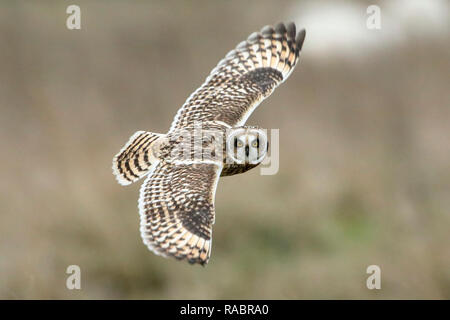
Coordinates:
364 172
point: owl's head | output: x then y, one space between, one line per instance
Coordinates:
247 145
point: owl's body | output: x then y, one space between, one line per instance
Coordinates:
207 140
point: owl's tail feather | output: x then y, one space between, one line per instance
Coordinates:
135 160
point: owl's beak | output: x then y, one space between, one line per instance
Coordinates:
247 151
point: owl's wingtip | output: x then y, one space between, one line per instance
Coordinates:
290 29
300 39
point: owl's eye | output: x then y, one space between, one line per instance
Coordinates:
240 144
255 143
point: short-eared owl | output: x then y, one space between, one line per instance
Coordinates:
207 140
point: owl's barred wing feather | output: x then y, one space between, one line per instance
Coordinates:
134 160
246 76
176 207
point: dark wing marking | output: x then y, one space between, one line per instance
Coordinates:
246 76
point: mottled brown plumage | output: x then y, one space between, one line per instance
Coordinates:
176 203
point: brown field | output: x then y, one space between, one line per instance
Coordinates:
364 158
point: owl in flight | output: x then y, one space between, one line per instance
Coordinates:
207 140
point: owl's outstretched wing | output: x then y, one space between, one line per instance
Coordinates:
176 207
246 76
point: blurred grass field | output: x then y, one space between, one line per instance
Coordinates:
364 172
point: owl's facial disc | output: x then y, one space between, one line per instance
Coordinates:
247 145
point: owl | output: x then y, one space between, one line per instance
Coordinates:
207 140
